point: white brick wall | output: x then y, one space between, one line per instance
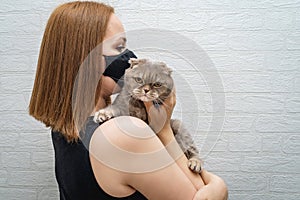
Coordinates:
254 45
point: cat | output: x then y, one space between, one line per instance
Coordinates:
147 80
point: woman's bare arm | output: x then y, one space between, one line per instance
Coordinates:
159 121
167 137
143 161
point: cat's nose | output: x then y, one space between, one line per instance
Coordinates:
146 90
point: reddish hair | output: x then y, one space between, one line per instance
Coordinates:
61 98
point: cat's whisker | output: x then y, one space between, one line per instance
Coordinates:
162 102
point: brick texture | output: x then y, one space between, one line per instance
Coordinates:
254 46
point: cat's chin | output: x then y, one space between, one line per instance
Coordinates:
145 99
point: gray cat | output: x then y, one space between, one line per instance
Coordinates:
147 80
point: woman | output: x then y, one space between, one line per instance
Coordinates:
80 39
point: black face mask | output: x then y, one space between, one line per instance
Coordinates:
116 65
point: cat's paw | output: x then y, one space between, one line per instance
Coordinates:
103 115
195 164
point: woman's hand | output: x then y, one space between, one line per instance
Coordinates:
214 189
159 117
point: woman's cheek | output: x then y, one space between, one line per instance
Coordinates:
109 86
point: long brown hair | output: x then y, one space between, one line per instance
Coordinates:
61 96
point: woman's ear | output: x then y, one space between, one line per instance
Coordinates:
134 62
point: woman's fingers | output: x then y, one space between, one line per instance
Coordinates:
214 189
159 116
206 176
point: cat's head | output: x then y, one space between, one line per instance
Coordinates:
148 80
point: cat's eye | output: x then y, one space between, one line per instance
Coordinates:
157 85
138 80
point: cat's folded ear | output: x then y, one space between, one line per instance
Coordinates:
167 70
134 62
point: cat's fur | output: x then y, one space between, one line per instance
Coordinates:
147 80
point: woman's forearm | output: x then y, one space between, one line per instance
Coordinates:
167 138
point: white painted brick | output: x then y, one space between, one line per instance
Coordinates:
282 61
297 83
283 82
21 44
241 123
220 146
241 20
216 40
32 178
181 20
158 5
271 142
293 104
18 63
219 162
18 122
18 23
255 103
245 181
43 160
191 80
293 41
205 4
123 5
16 159
278 123
266 4
18 193
13 102
244 142
209 142
263 196
291 144
190 120
246 82
27 96
30 5
16 82
48 194
256 40
7 139
271 163
200 123
252 4
288 183
184 102
3 177
37 140
285 3
178 64
280 20
137 19
297 19
7 6
233 61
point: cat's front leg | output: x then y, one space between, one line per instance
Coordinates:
105 114
187 145
195 164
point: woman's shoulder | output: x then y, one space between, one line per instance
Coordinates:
126 156
127 133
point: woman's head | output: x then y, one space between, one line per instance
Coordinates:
73 32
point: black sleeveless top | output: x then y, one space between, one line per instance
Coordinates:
73 169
